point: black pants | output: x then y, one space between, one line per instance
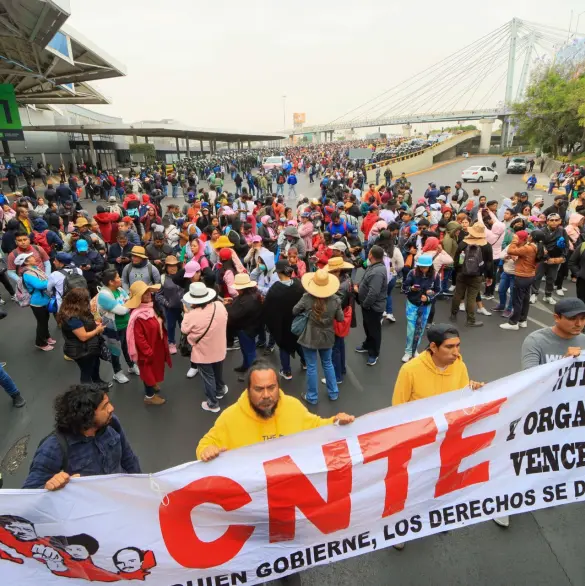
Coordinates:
581 288
561 275
373 330
90 369
6 282
116 362
42 316
521 298
549 272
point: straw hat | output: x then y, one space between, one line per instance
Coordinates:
336 263
138 251
476 235
199 294
243 281
137 290
81 222
171 260
320 284
223 242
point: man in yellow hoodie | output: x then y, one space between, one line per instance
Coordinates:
439 369
263 412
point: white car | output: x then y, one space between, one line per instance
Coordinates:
270 163
479 174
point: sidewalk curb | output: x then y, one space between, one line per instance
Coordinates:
556 190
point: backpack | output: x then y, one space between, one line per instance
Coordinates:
62 441
42 241
22 294
106 184
473 261
73 280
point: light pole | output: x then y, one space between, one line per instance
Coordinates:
284 112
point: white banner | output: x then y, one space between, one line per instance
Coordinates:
268 510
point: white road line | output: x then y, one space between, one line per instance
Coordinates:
542 308
538 323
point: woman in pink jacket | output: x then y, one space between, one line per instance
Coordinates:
494 233
306 230
205 325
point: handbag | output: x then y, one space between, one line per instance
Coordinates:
52 306
299 323
105 353
342 327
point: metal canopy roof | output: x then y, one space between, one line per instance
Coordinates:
156 130
46 60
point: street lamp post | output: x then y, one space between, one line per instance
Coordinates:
284 112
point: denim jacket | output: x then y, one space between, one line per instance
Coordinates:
108 452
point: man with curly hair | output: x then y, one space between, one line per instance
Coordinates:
88 440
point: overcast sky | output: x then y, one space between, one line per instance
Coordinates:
227 64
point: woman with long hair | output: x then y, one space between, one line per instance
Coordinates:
81 335
394 262
421 286
170 298
321 305
213 234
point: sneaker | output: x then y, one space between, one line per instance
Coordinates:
172 348
502 521
551 300
522 324
453 317
67 358
498 308
560 292
121 378
509 326
407 357
154 400
533 298
235 346
384 314
304 398
360 349
192 372
372 360
205 406
241 368
13 298
462 307
474 324
483 311
565 289
399 546
451 288
51 341
134 370
507 314
105 385
324 381
285 375
390 317
2 302
303 365
46 348
18 401
222 395
487 297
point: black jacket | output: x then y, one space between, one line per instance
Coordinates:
116 251
487 254
245 313
277 313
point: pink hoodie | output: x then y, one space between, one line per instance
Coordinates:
306 233
572 229
494 235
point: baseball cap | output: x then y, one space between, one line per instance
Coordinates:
553 217
338 246
522 235
284 268
112 198
438 333
569 307
424 260
19 260
64 257
340 204
82 246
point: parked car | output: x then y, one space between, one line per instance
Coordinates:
270 163
479 174
517 165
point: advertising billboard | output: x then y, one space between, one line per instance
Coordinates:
10 125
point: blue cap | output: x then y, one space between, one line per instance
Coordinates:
340 204
424 260
413 228
82 246
65 257
204 204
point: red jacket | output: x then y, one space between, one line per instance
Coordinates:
323 255
153 350
368 223
108 228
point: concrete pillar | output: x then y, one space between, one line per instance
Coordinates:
201 146
486 135
177 147
229 145
44 159
134 139
406 130
187 145
249 144
146 139
91 149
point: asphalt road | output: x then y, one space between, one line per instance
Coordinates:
541 548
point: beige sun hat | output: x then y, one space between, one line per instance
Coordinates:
336 263
320 284
243 281
137 290
476 235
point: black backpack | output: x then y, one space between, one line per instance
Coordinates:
473 261
62 440
73 280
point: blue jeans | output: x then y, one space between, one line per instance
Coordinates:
446 281
292 189
506 282
175 190
173 315
338 358
391 284
312 378
416 321
285 359
248 348
7 383
212 381
280 189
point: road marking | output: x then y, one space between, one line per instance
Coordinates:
354 380
542 308
538 323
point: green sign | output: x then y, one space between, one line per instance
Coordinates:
10 125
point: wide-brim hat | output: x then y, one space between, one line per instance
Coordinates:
199 294
171 260
138 251
81 222
320 283
243 281
336 263
223 242
137 290
476 235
